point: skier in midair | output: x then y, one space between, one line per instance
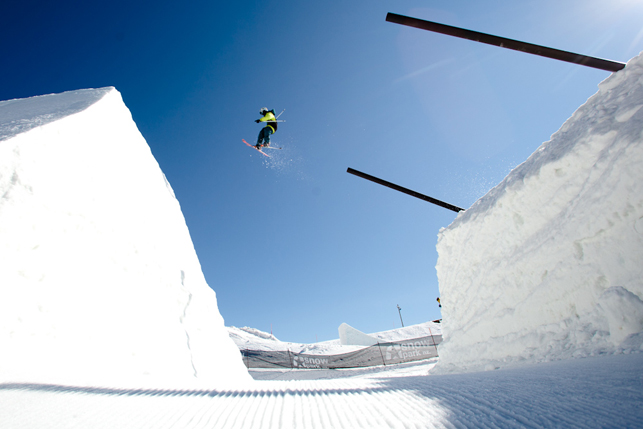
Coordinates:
271 127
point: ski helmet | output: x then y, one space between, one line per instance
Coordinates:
263 111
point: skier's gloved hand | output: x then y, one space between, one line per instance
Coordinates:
257 121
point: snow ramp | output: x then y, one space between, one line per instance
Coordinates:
547 265
99 280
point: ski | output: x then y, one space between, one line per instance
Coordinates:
255 148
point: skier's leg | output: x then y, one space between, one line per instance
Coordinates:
266 137
261 137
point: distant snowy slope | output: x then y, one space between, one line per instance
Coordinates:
409 332
99 280
548 264
253 339
249 336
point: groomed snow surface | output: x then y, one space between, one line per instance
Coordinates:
593 392
106 320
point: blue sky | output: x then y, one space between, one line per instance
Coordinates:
294 243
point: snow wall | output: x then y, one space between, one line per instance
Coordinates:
549 264
99 279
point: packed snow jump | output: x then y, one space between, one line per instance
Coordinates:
263 140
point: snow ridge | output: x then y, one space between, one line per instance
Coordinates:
93 244
21 115
606 113
547 265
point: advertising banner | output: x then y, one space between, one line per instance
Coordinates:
378 354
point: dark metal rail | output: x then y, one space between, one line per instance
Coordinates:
516 45
405 190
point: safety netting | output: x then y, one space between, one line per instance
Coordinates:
387 353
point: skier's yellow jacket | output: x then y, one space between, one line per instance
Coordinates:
270 120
